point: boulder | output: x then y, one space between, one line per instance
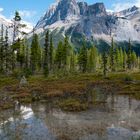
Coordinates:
23 82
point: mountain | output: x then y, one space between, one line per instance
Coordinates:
79 20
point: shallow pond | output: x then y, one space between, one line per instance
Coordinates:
115 118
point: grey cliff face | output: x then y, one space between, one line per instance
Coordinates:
60 11
72 17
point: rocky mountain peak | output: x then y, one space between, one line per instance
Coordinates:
78 18
61 10
97 9
128 13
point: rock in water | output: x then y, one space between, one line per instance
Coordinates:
23 82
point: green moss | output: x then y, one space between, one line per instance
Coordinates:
25 100
7 105
7 81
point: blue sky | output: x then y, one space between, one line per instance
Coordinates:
32 10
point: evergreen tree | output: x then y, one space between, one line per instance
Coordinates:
117 59
121 58
27 54
82 58
16 25
104 63
2 48
7 54
58 55
65 53
20 53
16 31
129 63
134 59
51 53
92 59
73 61
46 54
112 56
35 54
124 60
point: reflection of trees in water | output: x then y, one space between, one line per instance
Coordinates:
67 126
130 102
98 98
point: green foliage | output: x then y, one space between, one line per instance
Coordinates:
18 73
51 53
59 55
112 56
128 78
104 63
82 59
46 53
129 53
22 58
17 16
92 59
27 72
35 54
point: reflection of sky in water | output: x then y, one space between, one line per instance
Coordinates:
25 126
117 119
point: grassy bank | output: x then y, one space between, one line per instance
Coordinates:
66 91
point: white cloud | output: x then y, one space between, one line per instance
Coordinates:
26 17
1 9
125 5
26 13
109 11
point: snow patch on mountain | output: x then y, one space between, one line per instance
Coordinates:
69 22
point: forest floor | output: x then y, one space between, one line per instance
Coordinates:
69 92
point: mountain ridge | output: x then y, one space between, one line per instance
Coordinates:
69 17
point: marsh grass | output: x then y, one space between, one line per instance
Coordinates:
71 86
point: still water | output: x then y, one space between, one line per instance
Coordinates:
117 118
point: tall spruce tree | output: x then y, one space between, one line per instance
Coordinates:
124 60
65 52
92 59
134 59
27 54
35 54
2 48
117 59
46 55
112 56
51 53
129 53
7 53
73 61
104 63
59 55
16 25
121 58
82 58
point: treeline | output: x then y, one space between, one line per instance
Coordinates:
20 57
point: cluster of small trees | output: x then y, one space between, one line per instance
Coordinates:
63 59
